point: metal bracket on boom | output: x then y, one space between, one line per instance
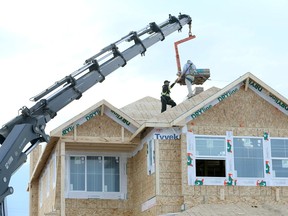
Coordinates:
173 19
137 40
154 27
183 16
116 53
71 80
95 66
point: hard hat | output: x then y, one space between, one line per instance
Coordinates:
189 62
166 81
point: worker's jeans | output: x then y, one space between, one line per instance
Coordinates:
188 81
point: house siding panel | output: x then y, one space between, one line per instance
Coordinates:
93 207
170 197
144 187
101 126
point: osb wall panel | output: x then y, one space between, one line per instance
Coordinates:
57 191
101 126
43 207
143 185
94 207
34 157
33 188
169 204
33 199
149 212
170 179
51 202
244 113
184 173
233 194
48 199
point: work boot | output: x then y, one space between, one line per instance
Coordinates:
190 96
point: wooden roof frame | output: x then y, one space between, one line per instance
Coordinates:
242 79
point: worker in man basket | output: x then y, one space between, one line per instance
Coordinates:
188 72
165 96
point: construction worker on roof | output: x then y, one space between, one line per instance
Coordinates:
165 96
188 73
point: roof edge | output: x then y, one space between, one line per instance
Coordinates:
148 124
211 98
57 132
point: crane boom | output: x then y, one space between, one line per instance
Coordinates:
23 133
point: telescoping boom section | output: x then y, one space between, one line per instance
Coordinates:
23 133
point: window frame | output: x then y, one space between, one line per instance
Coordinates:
263 157
210 157
85 194
277 158
150 156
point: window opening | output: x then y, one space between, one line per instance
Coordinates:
210 168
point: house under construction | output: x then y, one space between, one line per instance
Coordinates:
223 151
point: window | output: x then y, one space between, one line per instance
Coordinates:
99 168
279 154
237 160
96 175
210 146
210 168
150 157
210 156
112 174
248 157
77 173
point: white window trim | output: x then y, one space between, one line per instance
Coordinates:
150 164
98 195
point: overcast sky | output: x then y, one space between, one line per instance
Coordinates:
43 41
